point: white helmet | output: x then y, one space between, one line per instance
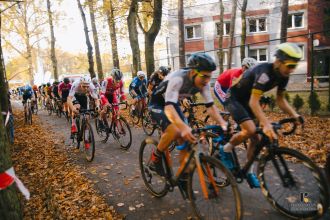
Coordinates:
85 80
141 73
249 62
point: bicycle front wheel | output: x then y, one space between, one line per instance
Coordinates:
221 203
122 133
293 184
89 142
147 125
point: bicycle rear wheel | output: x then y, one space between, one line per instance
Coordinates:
155 183
222 203
303 192
89 142
147 125
121 132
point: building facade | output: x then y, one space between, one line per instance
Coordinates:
263 19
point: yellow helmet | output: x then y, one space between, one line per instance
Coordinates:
288 51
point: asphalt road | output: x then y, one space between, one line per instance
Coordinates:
117 177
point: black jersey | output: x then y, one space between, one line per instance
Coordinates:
259 79
154 80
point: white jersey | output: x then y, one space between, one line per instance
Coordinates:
76 89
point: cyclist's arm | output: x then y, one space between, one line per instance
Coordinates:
284 105
174 117
256 108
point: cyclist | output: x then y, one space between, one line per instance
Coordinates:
63 91
182 84
225 79
28 93
138 88
96 85
156 78
243 102
111 88
55 93
79 92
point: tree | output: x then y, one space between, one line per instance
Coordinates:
220 52
133 36
243 37
52 40
96 40
182 56
108 6
232 32
151 34
9 201
284 20
88 43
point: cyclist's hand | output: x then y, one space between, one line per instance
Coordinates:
186 103
300 120
75 110
187 135
269 131
97 108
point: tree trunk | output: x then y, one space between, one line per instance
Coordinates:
28 47
88 43
112 29
284 20
232 32
220 51
52 41
243 37
151 34
9 201
133 36
182 52
96 40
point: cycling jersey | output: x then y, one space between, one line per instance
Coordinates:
78 93
64 89
139 86
154 79
55 92
27 92
111 91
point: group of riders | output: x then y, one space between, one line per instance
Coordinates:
239 90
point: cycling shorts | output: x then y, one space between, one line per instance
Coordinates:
239 111
82 99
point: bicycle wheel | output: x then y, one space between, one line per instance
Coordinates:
222 203
147 124
155 184
29 116
89 142
49 109
78 135
303 192
101 131
121 132
134 115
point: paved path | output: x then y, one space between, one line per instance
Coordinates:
116 176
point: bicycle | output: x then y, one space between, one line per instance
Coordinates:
139 111
85 133
119 127
277 167
58 107
27 112
49 106
204 195
35 107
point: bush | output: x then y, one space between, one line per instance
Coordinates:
287 96
298 102
314 102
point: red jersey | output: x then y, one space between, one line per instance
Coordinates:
226 78
110 87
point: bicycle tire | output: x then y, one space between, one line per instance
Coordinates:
147 147
134 115
49 109
119 133
315 179
219 201
89 146
147 125
77 134
30 116
101 132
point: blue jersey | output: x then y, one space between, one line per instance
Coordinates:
139 86
27 92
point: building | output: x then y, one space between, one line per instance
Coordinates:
263 25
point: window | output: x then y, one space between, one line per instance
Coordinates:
193 32
295 20
226 28
259 54
257 25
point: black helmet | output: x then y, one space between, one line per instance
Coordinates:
164 70
66 80
48 84
201 61
116 74
55 83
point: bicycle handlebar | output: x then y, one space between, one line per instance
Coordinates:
279 125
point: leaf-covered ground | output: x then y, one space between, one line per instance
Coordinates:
58 189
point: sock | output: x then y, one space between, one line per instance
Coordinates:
158 153
228 147
251 169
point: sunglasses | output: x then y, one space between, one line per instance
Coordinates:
290 65
204 77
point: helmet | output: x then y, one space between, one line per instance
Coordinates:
85 80
141 73
48 84
201 61
55 83
288 51
249 62
116 74
66 80
35 87
164 70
